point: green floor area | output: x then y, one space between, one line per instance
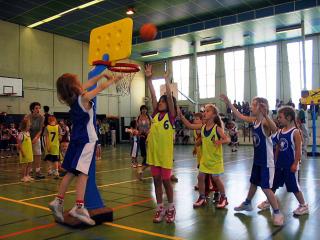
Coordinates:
24 213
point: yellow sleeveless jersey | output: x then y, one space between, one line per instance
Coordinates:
26 147
53 140
160 142
212 155
198 148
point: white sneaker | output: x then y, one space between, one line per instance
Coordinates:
243 207
301 210
264 205
278 219
25 179
31 179
57 209
159 215
82 214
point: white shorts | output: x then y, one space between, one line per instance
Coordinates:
36 148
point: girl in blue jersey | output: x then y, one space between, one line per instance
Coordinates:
83 139
263 169
288 156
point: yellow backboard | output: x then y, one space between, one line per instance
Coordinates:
309 96
114 39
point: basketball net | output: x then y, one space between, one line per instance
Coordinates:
123 86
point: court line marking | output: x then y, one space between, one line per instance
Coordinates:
28 230
72 191
107 224
142 231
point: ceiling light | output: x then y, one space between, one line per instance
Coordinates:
149 53
288 28
211 41
63 13
130 11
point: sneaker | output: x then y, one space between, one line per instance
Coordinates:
25 179
223 202
216 198
301 210
200 202
264 205
170 215
50 172
31 179
278 219
160 213
82 214
39 176
243 207
57 209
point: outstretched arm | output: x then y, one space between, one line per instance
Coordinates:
186 122
93 81
87 96
225 99
148 74
171 107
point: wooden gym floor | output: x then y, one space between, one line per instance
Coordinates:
24 213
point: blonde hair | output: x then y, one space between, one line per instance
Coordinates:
262 100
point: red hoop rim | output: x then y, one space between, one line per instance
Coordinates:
119 67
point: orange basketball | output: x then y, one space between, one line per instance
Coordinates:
148 31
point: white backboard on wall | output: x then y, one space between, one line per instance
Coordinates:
9 85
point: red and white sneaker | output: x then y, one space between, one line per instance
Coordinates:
160 213
223 202
200 202
170 215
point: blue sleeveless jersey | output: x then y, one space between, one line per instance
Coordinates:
286 149
83 127
263 148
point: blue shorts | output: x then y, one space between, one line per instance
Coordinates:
285 176
79 157
262 176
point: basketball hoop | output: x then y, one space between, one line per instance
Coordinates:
127 72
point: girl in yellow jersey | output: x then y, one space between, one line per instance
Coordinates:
25 149
212 138
52 134
160 147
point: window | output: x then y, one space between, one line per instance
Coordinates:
234 69
206 76
265 59
295 60
180 70
156 84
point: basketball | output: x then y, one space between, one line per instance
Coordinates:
148 31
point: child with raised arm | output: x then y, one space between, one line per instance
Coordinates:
83 139
160 147
263 168
212 138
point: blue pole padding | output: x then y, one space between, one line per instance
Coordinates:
314 130
92 196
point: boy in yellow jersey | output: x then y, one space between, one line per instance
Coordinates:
212 138
160 147
25 149
52 134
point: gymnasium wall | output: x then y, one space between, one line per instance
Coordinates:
40 58
250 89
